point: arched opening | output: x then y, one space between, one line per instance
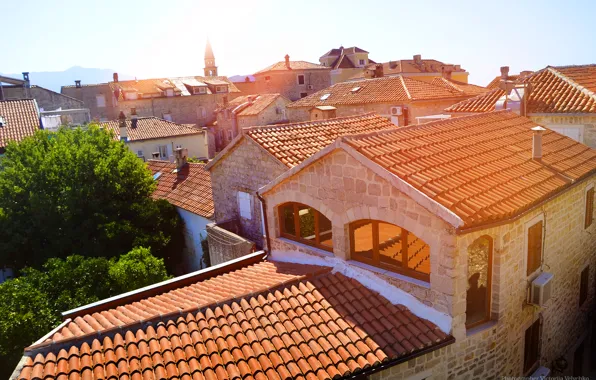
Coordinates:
390 247
306 225
478 296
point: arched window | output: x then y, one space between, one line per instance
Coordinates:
306 225
390 247
480 257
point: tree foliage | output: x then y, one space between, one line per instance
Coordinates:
32 304
78 191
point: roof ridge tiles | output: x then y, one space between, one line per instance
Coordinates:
403 82
572 82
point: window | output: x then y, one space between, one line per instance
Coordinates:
201 112
479 281
140 153
221 88
583 285
267 78
325 96
130 95
305 224
303 94
390 247
169 92
534 248
361 62
163 151
578 360
532 348
244 205
300 79
167 116
589 208
101 101
230 137
199 90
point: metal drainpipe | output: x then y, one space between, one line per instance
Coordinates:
267 238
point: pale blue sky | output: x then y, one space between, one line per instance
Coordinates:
167 38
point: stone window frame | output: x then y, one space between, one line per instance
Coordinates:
303 79
491 259
585 209
248 198
526 326
538 218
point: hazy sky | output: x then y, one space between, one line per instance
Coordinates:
167 38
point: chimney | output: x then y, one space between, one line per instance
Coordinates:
447 73
133 117
537 142
115 76
418 59
504 72
155 155
181 157
287 57
379 71
78 83
122 125
26 79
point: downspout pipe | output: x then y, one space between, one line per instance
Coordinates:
264 212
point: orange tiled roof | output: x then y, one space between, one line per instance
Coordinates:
464 88
189 188
265 321
150 128
159 85
260 103
479 166
293 143
378 90
294 65
21 119
495 82
565 89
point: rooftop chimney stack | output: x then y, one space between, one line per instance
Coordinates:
78 83
133 117
287 57
26 79
181 157
379 71
504 72
115 76
537 142
418 59
122 125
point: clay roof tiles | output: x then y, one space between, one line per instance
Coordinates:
481 103
21 119
293 143
480 167
378 90
265 321
464 88
294 65
188 188
260 103
150 128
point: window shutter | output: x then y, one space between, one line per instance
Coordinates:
534 247
589 208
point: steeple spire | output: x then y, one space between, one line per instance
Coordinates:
210 68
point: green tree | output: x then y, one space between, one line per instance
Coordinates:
31 305
78 191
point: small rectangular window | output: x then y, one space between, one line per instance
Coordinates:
267 78
167 116
303 94
534 248
300 79
532 347
163 151
169 92
221 88
230 137
140 153
583 285
361 62
589 208
101 101
244 205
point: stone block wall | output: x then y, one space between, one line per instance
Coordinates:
286 82
88 95
47 100
588 122
246 167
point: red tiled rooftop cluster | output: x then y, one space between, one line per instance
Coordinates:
21 119
150 128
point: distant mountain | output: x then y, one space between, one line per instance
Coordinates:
241 78
54 80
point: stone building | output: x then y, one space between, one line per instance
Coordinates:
353 63
561 98
184 100
246 164
18 119
292 79
494 211
400 99
151 137
246 111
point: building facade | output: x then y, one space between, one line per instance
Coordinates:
472 256
292 79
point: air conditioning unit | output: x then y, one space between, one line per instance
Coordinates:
541 289
395 111
310 87
540 373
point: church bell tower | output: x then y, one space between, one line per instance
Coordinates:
210 68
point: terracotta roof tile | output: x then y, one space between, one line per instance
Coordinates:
293 143
464 88
178 84
480 167
21 119
151 128
260 103
251 335
189 188
566 89
378 90
294 65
